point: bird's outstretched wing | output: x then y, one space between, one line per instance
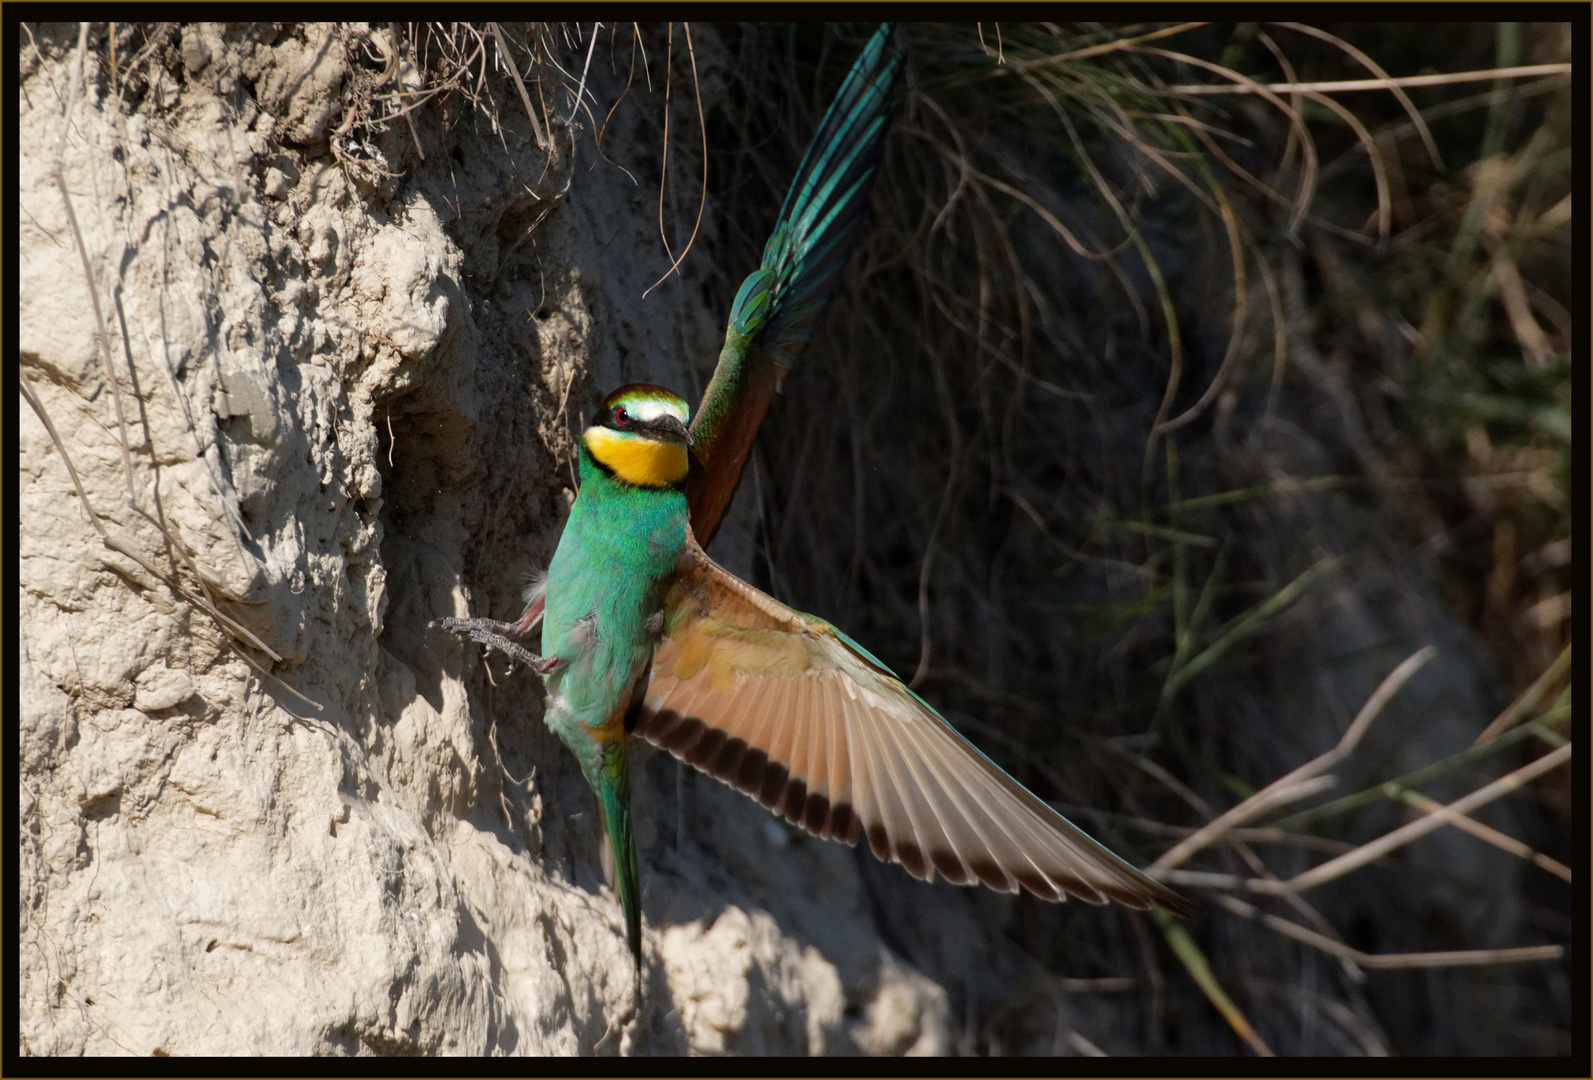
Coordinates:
786 708
774 311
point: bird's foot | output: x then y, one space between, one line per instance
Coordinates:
491 633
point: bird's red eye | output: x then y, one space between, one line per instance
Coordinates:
620 415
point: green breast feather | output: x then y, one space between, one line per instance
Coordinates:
603 588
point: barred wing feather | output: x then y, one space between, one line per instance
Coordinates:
786 708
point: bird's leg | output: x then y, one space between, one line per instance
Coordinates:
536 601
520 628
490 632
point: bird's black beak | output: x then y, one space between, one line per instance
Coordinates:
672 429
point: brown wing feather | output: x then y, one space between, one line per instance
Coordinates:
722 437
780 706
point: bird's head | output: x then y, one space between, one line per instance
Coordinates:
639 436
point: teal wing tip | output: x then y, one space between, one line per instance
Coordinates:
864 96
825 205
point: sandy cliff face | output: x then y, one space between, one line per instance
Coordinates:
348 379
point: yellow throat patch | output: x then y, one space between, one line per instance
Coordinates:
635 460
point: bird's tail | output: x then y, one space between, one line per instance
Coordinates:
613 789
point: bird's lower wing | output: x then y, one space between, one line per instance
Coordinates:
784 707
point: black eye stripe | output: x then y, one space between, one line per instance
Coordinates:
618 417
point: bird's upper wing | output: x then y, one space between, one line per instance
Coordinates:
786 708
774 311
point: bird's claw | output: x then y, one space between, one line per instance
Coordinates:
490 632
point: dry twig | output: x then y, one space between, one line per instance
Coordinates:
1388 961
1304 780
1344 85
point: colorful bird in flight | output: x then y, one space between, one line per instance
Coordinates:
643 634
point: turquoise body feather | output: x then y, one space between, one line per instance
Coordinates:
604 591
603 587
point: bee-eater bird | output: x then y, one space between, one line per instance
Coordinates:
643 633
